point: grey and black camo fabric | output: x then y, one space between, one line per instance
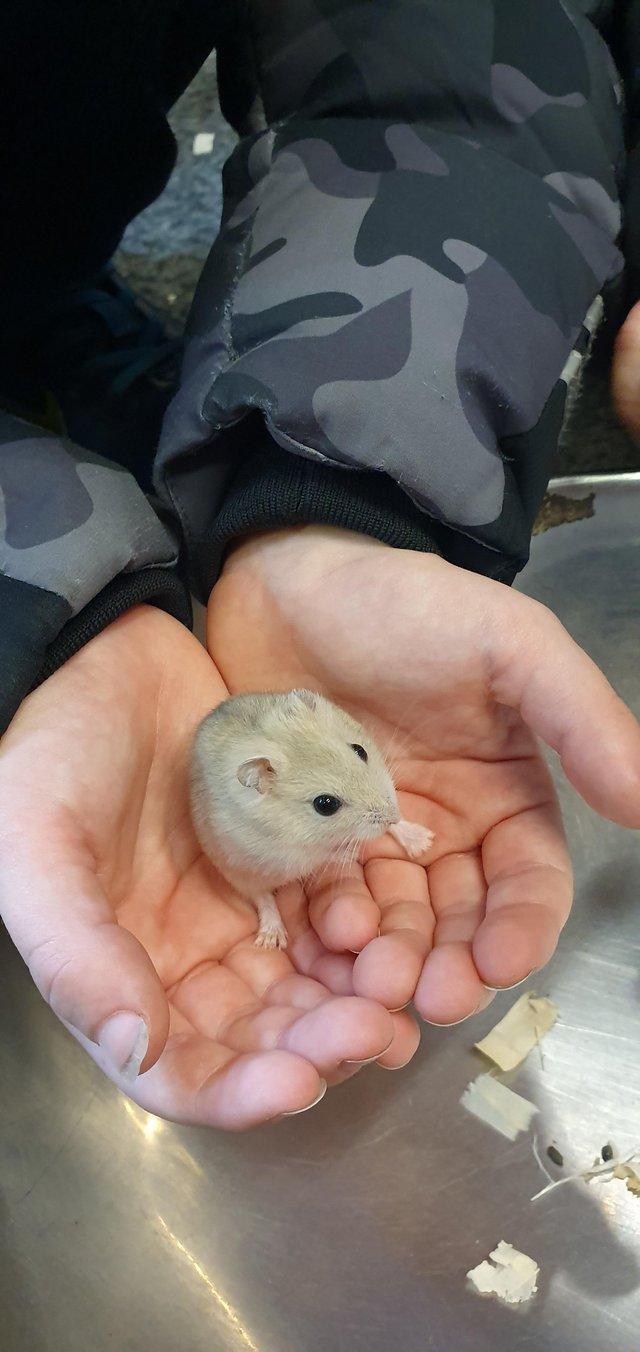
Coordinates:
422 210
79 542
71 521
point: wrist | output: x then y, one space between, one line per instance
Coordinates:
278 491
311 549
303 567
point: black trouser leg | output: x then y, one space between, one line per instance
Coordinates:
85 144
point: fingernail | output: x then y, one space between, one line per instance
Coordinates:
369 1059
455 1023
296 1111
400 1067
124 1039
496 989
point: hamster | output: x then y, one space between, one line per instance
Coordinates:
280 785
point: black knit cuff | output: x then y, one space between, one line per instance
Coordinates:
152 587
38 633
275 488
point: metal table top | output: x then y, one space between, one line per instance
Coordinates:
352 1227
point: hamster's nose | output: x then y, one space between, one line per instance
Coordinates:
384 817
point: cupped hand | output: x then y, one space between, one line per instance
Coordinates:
455 675
136 942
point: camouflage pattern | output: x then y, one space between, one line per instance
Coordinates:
419 219
71 522
413 233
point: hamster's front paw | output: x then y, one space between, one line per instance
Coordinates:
414 839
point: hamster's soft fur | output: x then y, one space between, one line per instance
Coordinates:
259 761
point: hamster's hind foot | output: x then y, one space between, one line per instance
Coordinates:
271 936
271 930
414 839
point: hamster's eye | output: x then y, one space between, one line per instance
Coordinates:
326 804
360 751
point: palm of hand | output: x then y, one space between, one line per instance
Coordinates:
487 908
251 1032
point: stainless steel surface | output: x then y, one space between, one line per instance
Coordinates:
352 1227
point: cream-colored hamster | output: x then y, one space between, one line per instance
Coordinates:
281 784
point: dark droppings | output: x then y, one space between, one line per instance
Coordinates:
555 1156
607 1153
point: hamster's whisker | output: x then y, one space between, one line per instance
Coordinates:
343 865
351 858
392 753
342 857
329 863
389 751
351 855
349 851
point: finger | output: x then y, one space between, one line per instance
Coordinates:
296 992
257 1089
406 1040
389 967
341 908
258 968
563 696
625 373
405 1043
450 988
341 1029
529 896
200 1083
335 971
259 1030
92 972
332 970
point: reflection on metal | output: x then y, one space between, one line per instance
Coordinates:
149 1125
227 1309
150 1128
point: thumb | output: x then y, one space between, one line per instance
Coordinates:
94 974
564 698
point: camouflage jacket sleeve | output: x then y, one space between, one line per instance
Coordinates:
79 544
621 23
420 218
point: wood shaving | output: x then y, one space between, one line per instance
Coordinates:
519 1031
630 1174
627 1169
203 142
509 1274
492 1102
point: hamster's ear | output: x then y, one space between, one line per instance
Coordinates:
307 697
256 773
